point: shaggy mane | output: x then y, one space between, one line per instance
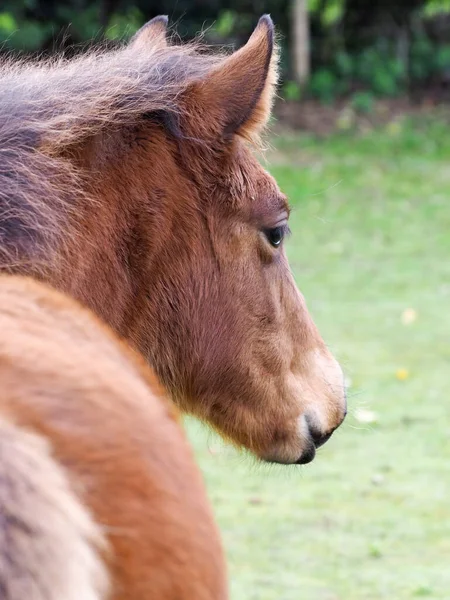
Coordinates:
45 107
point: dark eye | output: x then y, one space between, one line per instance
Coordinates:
275 235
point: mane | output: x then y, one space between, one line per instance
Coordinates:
46 107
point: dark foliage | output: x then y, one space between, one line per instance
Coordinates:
384 47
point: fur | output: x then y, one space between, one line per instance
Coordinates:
100 498
50 546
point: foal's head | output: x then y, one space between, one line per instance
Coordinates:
215 308
220 316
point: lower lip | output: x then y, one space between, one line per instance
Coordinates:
308 455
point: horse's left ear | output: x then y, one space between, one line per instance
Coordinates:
237 96
151 35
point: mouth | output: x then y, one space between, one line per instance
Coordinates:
315 440
308 454
310 451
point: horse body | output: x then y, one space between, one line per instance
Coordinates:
99 494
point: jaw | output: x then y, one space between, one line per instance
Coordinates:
289 448
284 430
306 457
280 416
293 443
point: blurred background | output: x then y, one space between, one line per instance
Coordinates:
360 142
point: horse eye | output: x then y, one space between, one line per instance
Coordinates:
275 235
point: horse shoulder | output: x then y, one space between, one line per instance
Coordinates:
104 425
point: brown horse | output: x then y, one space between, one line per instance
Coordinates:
100 497
128 181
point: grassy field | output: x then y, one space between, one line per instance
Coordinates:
370 517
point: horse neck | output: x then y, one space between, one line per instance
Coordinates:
99 259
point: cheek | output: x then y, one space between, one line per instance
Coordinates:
274 289
242 300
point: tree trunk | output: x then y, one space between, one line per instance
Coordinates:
300 41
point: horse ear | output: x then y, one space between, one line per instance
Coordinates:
151 35
238 94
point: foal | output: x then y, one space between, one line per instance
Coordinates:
128 181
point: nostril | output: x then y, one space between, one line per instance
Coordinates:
319 438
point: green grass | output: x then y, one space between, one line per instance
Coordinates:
370 517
